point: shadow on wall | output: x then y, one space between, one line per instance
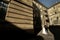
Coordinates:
37 19
56 31
7 29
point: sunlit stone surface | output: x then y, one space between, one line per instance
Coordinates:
19 14
53 13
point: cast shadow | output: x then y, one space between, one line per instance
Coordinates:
36 19
9 30
56 31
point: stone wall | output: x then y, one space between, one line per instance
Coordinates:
20 15
54 14
28 2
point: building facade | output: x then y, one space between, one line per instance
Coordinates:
20 14
50 14
54 14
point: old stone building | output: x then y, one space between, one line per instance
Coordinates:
20 14
43 13
51 14
54 14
